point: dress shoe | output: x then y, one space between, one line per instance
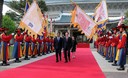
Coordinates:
121 69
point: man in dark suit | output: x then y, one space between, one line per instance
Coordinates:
67 44
58 46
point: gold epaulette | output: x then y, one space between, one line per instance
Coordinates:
124 33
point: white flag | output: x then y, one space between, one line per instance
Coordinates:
32 20
101 13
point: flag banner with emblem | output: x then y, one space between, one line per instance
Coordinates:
27 6
32 20
84 22
51 25
101 14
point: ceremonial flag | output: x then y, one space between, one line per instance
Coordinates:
84 22
32 20
121 21
27 6
45 25
51 25
101 14
45 33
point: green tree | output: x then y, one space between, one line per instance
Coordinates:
1 8
126 19
20 5
15 17
7 22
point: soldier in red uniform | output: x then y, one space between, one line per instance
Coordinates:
52 44
45 46
48 44
98 43
27 49
1 32
17 51
121 58
39 45
108 45
5 46
101 46
114 45
34 47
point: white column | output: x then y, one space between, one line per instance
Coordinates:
56 31
69 31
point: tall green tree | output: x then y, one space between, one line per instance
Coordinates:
1 9
15 17
7 22
20 5
126 18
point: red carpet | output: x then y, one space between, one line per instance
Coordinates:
83 45
83 66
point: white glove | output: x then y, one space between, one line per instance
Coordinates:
110 37
20 42
12 33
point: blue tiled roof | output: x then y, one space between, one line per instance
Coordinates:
64 19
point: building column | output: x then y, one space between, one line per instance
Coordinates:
56 31
69 31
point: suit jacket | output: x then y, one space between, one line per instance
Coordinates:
67 44
58 44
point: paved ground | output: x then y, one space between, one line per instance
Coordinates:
109 70
106 67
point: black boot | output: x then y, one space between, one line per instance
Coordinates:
121 68
26 58
5 63
114 63
33 56
17 60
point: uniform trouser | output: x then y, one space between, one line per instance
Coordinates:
33 48
27 48
102 53
107 53
17 50
122 57
0 47
111 54
48 49
100 49
39 47
115 52
5 52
